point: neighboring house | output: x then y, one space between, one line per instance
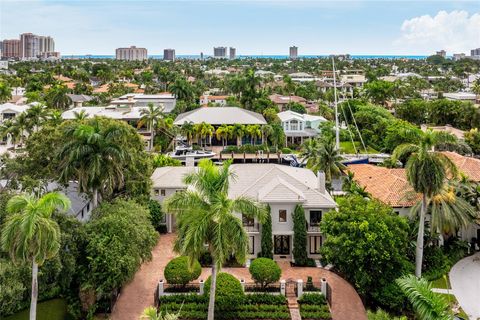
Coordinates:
9 110
355 80
302 77
217 116
280 187
217 72
119 110
300 126
391 186
166 100
282 101
461 96
447 128
79 99
212 99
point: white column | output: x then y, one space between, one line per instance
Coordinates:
282 287
323 286
160 288
202 286
242 282
299 288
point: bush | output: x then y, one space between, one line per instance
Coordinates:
228 291
299 237
156 214
286 150
312 298
179 272
205 259
265 271
382 315
263 298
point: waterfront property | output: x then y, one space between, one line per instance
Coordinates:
166 100
298 127
282 188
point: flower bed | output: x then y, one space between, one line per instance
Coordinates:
314 306
254 306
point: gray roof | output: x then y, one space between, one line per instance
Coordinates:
220 115
267 183
79 97
114 112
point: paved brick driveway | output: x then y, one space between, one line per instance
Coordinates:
138 294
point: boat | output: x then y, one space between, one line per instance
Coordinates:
182 153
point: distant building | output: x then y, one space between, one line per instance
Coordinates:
131 54
441 53
169 54
460 96
11 48
459 56
220 52
212 99
233 53
29 45
475 53
293 54
3 64
201 55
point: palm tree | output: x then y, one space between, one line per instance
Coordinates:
427 171
182 90
5 92
208 218
30 235
10 131
20 125
94 157
57 98
254 132
54 117
204 130
36 115
223 133
150 117
188 131
151 313
239 132
79 116
427 304
267 131
323 156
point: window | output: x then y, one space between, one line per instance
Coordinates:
247 221
155 192
315 217
294 125
162 192
251 245
315 244
282 215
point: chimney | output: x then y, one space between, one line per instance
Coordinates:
321 181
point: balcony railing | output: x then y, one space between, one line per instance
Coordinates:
313 227
252 227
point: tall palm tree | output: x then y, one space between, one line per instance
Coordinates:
36 115
150 117
427 172
57 98
204 130
93 156
188 131
239 132
80 115
21 125
223 133
10 131
30 235
207 217
254 132
182 90
54 117
267 131
427 304
323 156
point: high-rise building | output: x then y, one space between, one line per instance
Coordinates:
475 52
441 53
169 54
220 52
11 48
29 45
293 54
201 55
458 56
46 44
130 54
233 53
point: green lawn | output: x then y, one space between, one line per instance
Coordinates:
441 283
347 147
55 309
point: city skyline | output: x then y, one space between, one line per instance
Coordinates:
253 28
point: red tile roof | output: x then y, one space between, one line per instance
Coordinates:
466 165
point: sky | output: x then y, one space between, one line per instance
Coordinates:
263 27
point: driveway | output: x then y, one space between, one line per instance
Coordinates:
138 294
465 281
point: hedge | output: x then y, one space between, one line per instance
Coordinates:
265 271
179 272
228 290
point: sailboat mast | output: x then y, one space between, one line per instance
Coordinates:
337 126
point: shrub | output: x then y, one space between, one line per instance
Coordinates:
267 239
312 298
205 259
286 150
299 237
179 272
156 214
228 291
265 271
263 298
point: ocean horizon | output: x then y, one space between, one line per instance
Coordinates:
280 57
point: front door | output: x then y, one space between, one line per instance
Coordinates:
281 245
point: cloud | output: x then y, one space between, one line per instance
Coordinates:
455 32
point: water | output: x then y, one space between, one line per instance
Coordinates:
413 57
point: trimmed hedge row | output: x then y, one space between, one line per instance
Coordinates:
314 306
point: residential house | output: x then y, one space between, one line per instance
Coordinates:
9 110
217 116
79 99
391 187
461 96
207 99
282 101
165 99
280 187
298 127
355 80
446 128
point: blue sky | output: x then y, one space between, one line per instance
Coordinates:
253 27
